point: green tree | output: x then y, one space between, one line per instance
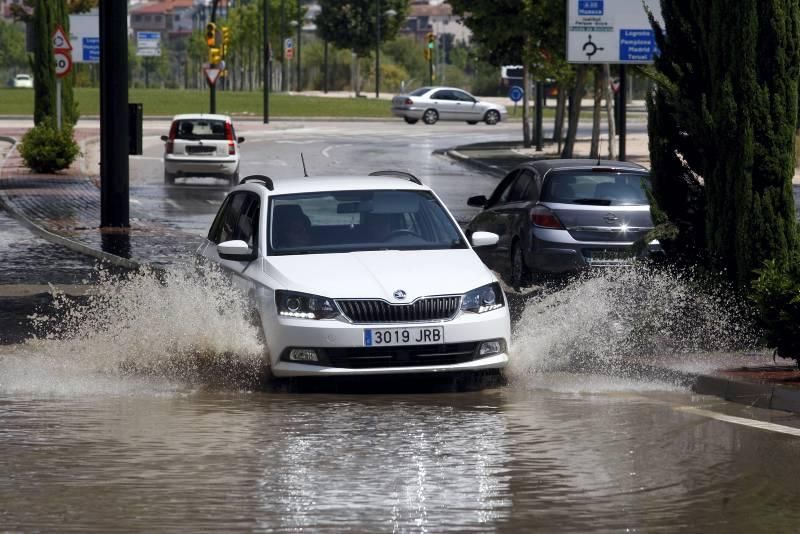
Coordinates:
722 126
352 25
12 47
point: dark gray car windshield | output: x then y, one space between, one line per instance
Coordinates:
348 221
596 188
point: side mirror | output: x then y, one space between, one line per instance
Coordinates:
164 138
478 201
236 250
240 140
484 239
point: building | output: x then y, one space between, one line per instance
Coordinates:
5 9
425 17
171 18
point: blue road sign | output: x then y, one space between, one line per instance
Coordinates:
288 44
637 45
515 93
91 49
590 8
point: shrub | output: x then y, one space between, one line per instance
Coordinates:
45 149
776 293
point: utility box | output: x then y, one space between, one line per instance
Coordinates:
135 117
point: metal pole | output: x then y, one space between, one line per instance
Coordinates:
623 127
58 103
539 115
212 95
325 69
267 66
378 51
299 82
114 178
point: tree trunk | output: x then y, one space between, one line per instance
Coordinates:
357 75
558 127
526 127
594 149
574 112
609 96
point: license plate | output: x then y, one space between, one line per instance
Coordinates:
622 255
390 337
200 149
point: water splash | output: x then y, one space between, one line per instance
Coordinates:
622 322
181 324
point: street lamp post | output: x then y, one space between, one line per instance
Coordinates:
379 16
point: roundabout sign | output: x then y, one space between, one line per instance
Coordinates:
516 93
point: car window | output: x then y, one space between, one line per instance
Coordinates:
462 96
596 188
532 192
502 189
442 95
419 92
351 221
237 219
196 129
516 192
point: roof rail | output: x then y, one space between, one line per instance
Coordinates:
398 174
266 180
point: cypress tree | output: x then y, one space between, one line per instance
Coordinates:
722 128
46 15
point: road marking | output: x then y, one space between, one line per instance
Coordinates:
213 202
761 425
140 158
134 201
173 203
289 142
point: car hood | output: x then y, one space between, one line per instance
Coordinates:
378 274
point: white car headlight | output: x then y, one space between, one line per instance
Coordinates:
483 299
304 305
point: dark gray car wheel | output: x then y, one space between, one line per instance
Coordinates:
491 117
430 116
520 273
410 120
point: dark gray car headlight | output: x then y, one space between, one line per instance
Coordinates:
484 299
304 305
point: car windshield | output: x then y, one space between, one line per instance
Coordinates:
421 91
349 221
193 129
596 188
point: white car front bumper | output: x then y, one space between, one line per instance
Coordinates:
337 336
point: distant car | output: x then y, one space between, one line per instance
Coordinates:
561 216
24 81
360 275
201 145
432 104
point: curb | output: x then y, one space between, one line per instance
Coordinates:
754 394
470 162
55 238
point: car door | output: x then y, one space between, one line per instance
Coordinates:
444 103
239 218
512 217
491 219
467 106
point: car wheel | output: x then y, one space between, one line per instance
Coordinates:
234 179
169 179
472 122
430 116
410 120
492 117
520 273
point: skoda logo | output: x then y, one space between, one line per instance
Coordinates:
400 294
610 218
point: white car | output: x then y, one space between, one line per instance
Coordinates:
432 104
360 275
23 81
201 145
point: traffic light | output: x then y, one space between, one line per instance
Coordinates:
211 34
214 56
226 39
431 40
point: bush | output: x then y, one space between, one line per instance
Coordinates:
776 293
45 149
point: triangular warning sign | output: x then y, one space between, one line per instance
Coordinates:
212 75
60 39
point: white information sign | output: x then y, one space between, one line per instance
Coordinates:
611 31
84 32
148 44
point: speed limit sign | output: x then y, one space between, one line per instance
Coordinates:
63 63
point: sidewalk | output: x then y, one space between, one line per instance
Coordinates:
65 209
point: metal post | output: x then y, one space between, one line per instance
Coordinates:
212 93
325 69
58 103
539 115
378 51
299 33
267 60
623 127
114 178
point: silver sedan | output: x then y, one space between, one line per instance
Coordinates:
432 104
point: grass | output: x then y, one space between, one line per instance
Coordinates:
168 102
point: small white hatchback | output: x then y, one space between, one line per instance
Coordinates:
360 275
201 145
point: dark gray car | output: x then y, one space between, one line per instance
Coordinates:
561 216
